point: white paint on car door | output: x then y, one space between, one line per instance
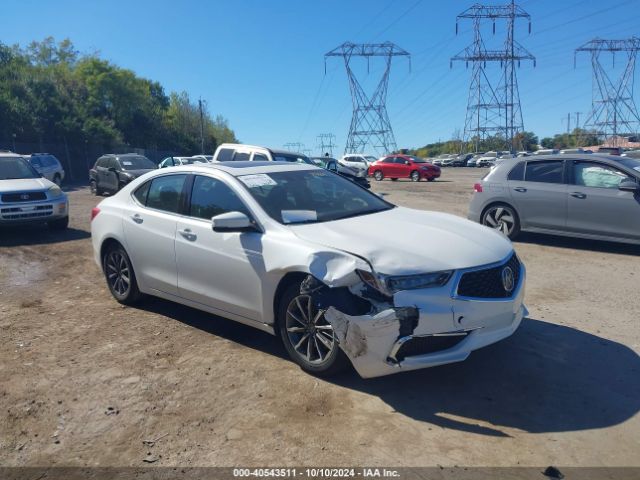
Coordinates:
223 270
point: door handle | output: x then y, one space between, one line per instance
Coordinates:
520 189
137 218
188 234
578 195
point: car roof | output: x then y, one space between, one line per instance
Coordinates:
12 155
248 167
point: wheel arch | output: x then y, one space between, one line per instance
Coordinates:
106 244
289 278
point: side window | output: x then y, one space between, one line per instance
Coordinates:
545 172
388 160
517 172
113 163
400 160
241 157
590 174
141 193
165 193
259 157
36 162
49 161
211 197
225 154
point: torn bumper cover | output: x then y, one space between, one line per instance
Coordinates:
416 328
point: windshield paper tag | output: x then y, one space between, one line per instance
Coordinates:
257 180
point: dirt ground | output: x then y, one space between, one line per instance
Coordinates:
87 382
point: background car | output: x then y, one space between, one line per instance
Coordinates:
48 166
356 175
111 172
594 196
360 161
175 161
404 166
546 151
237 152
27 197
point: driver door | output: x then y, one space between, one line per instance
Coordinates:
222 270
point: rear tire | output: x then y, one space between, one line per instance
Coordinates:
503 218
93 185
394 179
310 344
121 279
430 179
378 175
59 224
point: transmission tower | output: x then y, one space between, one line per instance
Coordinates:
370 123
326 143
613 111
493 108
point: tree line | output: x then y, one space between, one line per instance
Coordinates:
51 93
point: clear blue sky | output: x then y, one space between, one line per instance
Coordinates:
260 63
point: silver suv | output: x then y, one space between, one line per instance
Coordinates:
27 197
587 196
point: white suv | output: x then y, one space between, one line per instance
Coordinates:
357 160
237 152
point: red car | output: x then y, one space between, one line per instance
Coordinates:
403 166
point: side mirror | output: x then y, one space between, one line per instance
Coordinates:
231 222
629 186
407 162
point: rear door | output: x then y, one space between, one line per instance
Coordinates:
595 204
541 198
150 228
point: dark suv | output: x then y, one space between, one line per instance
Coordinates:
112 172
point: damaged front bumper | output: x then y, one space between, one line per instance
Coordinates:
425 328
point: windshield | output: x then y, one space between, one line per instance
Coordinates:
137 163
284 157
630 163
310 196
370 159
13 168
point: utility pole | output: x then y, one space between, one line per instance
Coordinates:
201 126
568 119
370 121
296 147
613 110
493 111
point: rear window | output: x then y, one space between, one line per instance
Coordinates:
545 172
517 172
225 154
241 157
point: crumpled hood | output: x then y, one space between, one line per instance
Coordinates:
408 241
25 185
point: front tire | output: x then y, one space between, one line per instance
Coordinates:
121 279
307 336
378 175
415 176
503 218
93 185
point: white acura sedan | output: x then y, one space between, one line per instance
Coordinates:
297 251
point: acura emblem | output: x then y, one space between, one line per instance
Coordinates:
508 280
24 196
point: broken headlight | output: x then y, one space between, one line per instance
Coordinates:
389 284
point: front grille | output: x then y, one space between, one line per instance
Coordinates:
23 197
16 213
487 283
423 345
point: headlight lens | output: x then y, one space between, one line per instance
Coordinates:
389 285
55 192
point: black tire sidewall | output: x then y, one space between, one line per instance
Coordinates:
133 294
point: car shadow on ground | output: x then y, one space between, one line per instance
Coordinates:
38 235
545 378
578 243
